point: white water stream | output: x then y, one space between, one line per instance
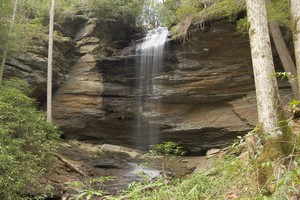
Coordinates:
150 66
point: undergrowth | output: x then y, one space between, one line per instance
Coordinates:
233 175
27 143
186 15
197 18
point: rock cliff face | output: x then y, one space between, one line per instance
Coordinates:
203 98
32 65
79 36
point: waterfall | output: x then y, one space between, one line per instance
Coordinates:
148 68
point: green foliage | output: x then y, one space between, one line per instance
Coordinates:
90 187
284 75
224 8
286 169
31 24
115 9
185 11
188 12
27 141
278 10
242 26
167 148
229 177
39 9
294 103
223 178
167 12
288 184
6 11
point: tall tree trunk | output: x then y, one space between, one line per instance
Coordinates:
9 35
268 106
295 15
50 57
284 55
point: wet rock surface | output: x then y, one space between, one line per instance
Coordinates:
204 97
88 157
93 163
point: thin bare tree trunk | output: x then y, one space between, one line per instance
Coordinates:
268 106
50 58
284 55
295 14
9 35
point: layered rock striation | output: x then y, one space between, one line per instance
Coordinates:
203 98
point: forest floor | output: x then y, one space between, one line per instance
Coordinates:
85 162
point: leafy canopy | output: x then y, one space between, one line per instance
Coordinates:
33 17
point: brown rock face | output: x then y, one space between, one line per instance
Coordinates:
80 35
79 98
32 65
78 103
203 98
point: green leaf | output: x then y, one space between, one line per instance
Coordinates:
81 195
294 103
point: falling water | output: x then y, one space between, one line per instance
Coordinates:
149 67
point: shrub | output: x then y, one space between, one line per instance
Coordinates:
167 148
27 141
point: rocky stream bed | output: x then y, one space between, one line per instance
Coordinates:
122 164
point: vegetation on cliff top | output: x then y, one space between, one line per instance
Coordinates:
183 15
33 17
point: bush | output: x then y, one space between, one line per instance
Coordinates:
27 141
167 148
